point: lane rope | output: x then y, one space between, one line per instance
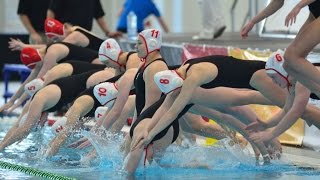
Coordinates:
33 171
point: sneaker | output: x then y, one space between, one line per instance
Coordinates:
205 34
219 32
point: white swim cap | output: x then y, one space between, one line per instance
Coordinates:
59 125
274 64
110 50
100 111
152 38
106 93
168 80
33 86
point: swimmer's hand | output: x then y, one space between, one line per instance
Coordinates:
256 126
292 16
16 44
274 149
140 139
6 106
261 136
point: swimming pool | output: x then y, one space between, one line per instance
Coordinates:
216 161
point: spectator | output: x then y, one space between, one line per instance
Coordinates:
212 20
32 15
142 9
79 13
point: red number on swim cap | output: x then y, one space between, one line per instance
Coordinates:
31 88
50 23
99 115
102 91
108 45
278 57
59 129
155 33
164 81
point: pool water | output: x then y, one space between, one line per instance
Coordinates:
215 161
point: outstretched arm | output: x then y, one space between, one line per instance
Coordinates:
20 91
299 103
80 107
292 16
298 107
182 100
17 45
274 6
25 125
124 86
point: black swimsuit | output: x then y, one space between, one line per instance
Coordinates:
82 67
312 95
140 86
314 8
70 87
94 41
89 92
233 73
77 53
149 112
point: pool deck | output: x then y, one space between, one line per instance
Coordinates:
233 39
302 157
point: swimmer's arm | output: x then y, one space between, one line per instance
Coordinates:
304 3
74 38
184 97
127 111
56 143
53 55
167 103
274 120
125 85
20 91
274 6
298 107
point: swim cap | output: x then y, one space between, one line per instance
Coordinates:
30 56
152 38
33 86
110 50
53 28
274 64
106 93
168 80
59 124
100 111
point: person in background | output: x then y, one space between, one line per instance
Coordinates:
296 64
142 9
78 13
32 14
213 23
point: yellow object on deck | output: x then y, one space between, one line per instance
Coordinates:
211 141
